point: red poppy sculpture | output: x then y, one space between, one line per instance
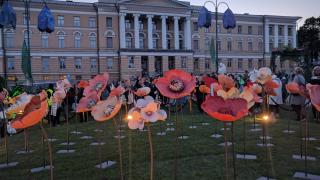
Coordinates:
88 102
176 84
314 92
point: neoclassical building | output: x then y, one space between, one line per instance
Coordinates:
137 37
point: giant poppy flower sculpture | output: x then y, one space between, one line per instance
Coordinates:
227 106
145 112
176 84
314 91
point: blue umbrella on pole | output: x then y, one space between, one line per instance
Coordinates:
8 17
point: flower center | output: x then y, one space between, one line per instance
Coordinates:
91 103
149 113
98 86
108 110
176 85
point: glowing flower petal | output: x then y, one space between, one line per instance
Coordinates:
142 91
105 110
225 110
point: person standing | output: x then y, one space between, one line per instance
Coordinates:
276 101
296 100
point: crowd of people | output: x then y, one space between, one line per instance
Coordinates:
67 108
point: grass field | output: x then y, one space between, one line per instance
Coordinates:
199 157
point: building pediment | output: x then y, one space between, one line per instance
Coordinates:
159 3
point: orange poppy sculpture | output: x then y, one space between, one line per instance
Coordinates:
18 104
227 105
33 113
97 84
294 88
88 102
144 91
270 86
314 91
83 84
176 84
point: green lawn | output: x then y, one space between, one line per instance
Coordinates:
199 157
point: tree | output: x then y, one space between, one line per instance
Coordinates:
309 41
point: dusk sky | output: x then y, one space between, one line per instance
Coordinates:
303 8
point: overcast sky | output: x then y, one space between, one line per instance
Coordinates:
303 8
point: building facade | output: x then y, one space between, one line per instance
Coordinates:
138 37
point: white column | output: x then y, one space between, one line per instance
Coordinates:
286 35
294 36
150 44
164 31
176 33
136 31
188 34
122 30
266 36
276 36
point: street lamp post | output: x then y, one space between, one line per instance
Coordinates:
217 4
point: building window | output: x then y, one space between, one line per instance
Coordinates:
271 30
207 64
45 41
93 63
250 64
263 62
62 63
181 45
92 41
250 45
219 45
219 28
77 40
260 30
76 21
229 64
240 61
141 40
280 31
289 31
271 44
239 29
128 40
45 64
130 62
195 26
183 62
154 26
110 42
92 22
109 63
46 78
77 63
10 63
196 44
229 45
289 43
25 19
260 63
60 21
196 63
260 45
155 39
281 44
61 41
250 30
206 30
9 40
128 24
109 22
140 25
207 43
240 48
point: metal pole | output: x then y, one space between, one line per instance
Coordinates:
217 49
27 13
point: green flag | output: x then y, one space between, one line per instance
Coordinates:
213 51
25 61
